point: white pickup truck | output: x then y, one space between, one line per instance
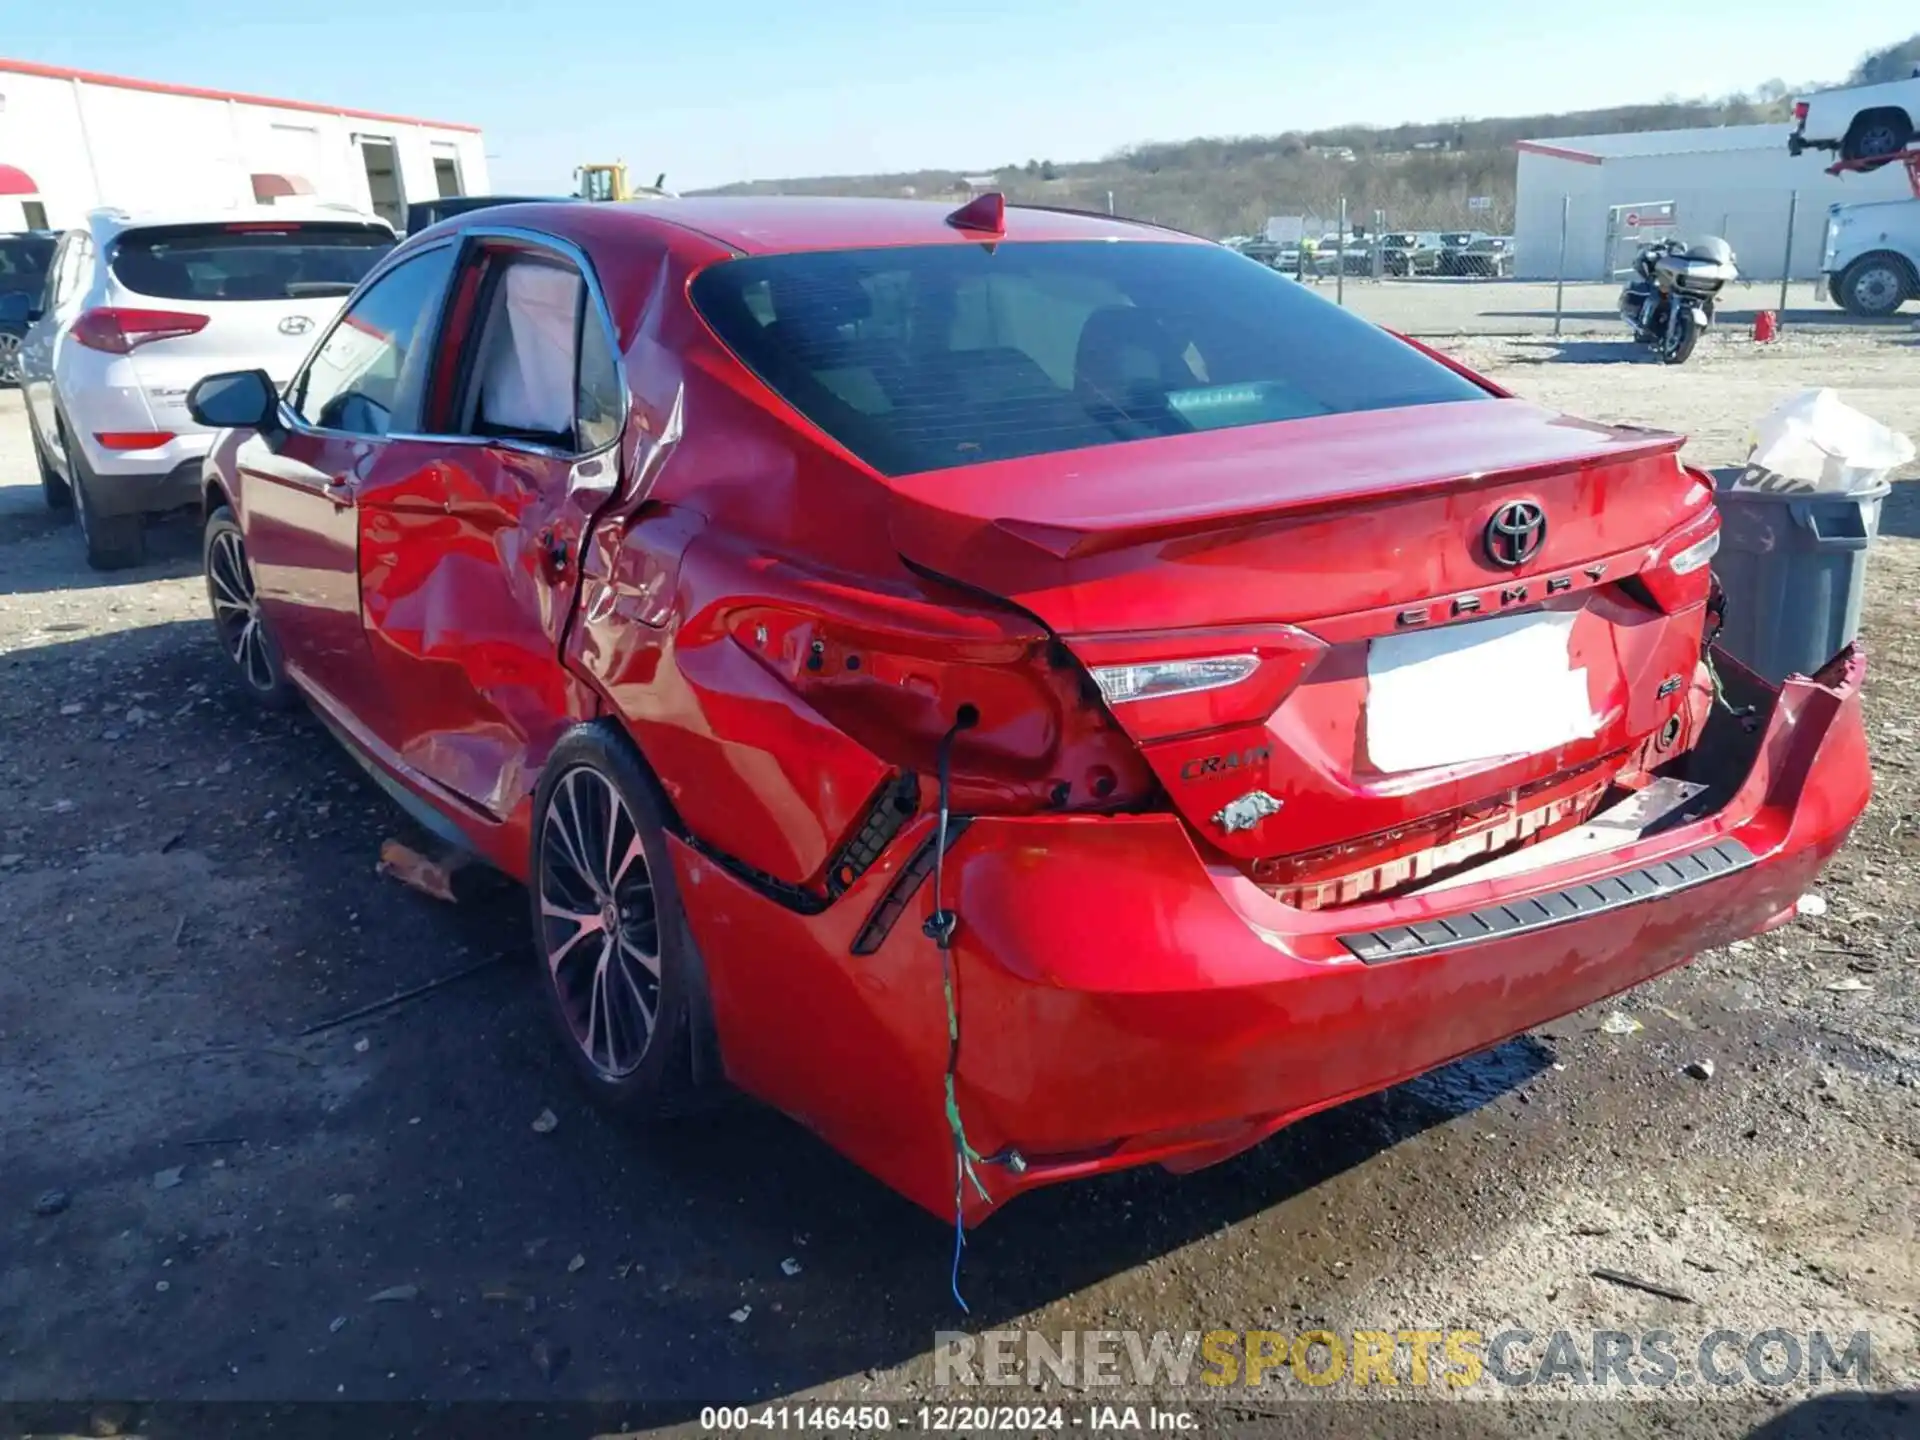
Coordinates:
1872 259
1858 122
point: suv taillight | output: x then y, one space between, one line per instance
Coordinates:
1800 111
117 330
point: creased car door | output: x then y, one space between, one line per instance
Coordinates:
302 485
466 606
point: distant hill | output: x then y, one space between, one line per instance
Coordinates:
1421 176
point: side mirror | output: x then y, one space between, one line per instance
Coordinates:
239 398
16 308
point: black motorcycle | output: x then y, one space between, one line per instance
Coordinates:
1669 302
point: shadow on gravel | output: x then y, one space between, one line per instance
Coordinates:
1847 1415
222 861
1589 352
173 550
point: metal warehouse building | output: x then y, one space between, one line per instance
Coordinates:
71 141
1733 181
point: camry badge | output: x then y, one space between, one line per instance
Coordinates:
295 325
1246 812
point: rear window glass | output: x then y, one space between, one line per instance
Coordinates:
247 260
929 357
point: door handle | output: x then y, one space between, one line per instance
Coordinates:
554 550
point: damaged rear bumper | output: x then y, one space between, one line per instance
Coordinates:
1125 1002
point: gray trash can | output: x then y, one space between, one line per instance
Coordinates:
1793 568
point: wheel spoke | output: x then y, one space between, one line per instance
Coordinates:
638 953
632 853
615 813
632 986
217 572
258 671
597 1007
584 924
567 828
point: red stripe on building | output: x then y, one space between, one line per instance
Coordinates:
194 92
1534 147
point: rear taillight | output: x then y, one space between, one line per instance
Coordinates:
1685 562
896 682
1800 111
1161 679
133 439
1675 576
116 329
1166 683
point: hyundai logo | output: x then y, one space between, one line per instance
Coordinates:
1515 533
295 325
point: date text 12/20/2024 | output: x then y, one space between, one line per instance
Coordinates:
945 1419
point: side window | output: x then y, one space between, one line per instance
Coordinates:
601 403
541 367
69 274
365 377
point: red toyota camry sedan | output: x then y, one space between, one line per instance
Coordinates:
1024 693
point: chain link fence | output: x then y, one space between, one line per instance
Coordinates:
1443 268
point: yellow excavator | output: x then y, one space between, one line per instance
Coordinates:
609 182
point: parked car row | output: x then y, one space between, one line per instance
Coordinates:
131 311
1400 254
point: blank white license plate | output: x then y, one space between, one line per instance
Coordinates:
1479 691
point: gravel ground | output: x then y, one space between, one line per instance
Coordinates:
368 1212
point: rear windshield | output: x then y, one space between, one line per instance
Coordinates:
927 357
23 262
248 260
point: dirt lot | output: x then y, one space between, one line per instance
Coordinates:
187 885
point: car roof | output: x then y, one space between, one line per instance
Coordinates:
775 224
110 221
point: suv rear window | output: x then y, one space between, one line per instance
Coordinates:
247 260
927 357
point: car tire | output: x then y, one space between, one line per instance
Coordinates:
592 782
1875 285
55 491
10 358
237 618
1877 135
114 542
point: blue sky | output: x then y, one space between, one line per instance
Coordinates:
759 89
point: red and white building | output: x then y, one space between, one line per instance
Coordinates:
72 140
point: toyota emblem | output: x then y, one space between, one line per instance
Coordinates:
1515 533
295 325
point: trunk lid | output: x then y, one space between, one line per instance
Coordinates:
1360 544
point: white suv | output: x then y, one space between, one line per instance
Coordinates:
135 311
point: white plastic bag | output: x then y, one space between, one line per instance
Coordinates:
1814 443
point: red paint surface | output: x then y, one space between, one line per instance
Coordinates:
783 634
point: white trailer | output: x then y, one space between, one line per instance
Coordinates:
72 140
